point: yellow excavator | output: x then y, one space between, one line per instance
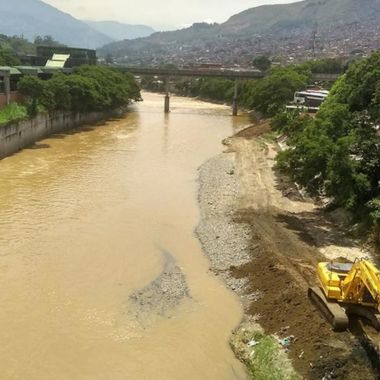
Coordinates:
347 289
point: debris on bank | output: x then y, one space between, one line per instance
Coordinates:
263 354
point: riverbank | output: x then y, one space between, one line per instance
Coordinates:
265 247
20 134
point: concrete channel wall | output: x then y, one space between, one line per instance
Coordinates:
20 134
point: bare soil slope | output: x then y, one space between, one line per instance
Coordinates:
288 238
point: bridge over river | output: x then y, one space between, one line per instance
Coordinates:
236 75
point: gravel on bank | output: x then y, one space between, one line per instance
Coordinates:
227 244
224 242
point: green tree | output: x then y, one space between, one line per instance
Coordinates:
7 58
326 66
262 62
33 88
58 93
270 94
84 94
337 154
47 41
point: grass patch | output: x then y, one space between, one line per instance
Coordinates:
13 112
270 136
262 354
268 361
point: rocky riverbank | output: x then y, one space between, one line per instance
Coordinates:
224 242
265 246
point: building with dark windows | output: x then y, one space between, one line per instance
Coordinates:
76 56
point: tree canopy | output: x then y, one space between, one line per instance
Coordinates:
262 62
270 94
47 41
89 88
267 95
337 154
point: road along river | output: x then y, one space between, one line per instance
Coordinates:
101 275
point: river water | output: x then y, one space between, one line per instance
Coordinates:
101 275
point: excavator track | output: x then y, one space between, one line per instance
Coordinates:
336 316
369 339
371 315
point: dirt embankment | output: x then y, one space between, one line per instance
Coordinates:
266 246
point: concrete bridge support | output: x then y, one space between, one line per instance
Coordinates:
167 95
6 76
235 100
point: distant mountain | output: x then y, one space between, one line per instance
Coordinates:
329 27
302 16
31 18
118 31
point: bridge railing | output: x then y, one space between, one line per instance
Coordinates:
220 73
216 73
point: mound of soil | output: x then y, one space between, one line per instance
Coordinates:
282 270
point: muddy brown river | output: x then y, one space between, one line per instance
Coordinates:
101 275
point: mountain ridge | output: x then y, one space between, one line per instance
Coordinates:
120 31
261 30
31 18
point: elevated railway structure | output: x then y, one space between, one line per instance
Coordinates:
9 74
235 75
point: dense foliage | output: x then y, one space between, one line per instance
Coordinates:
212 88
46 41
13 47
89 88
337 153
327 66
33 88
262 62
270 94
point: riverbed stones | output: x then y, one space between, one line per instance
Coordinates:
164 293
225 242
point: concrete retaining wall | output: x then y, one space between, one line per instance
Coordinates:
18 135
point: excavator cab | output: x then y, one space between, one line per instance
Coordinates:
347 289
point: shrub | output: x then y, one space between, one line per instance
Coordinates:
13 112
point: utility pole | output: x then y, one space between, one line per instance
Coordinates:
6 75
314 43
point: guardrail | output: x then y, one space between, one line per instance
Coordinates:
216 73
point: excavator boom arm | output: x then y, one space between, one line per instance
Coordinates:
363 274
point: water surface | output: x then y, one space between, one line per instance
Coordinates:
91 217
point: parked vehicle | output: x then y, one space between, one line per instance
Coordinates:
308 100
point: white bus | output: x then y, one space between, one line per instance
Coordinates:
310 98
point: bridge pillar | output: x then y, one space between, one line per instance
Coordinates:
235 108
6 76
167 96
167 103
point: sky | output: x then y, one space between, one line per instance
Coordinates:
159 14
